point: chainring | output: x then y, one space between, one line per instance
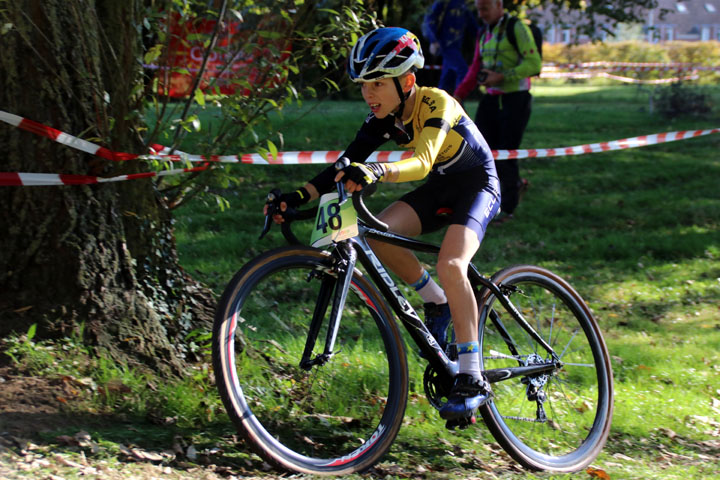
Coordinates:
436 390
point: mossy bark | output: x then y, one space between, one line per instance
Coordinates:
102 256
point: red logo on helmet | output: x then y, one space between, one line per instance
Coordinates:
404 41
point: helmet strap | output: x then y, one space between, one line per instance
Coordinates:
403 96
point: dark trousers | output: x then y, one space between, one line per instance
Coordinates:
502 120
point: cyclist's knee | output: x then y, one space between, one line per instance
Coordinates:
451 271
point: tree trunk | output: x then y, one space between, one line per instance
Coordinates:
100 256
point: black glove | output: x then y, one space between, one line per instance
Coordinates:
364 173
295 199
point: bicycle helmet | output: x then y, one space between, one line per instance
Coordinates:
384 53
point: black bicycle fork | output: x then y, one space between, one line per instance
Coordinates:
344 259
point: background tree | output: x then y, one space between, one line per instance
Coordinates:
596 15
103 256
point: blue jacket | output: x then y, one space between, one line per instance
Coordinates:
457 22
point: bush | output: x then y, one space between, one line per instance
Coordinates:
682 99
698 53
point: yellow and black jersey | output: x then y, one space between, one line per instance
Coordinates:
443 138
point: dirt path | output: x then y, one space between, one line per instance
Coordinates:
34 409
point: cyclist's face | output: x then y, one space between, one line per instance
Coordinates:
381 95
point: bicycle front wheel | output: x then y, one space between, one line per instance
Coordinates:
336 417
557 421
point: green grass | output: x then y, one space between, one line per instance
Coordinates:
637 233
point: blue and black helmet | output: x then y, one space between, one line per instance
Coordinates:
385 53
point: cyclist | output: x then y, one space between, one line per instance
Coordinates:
451 152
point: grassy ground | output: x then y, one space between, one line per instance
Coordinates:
637 232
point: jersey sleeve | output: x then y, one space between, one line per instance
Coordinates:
530 61
369 138
436 117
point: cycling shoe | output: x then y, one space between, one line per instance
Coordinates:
466 395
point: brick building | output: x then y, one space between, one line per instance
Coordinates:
689 20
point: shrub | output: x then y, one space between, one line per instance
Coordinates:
682 99
697 53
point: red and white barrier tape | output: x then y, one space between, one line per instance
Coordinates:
634 142
282 158
617 67
319 157
594 74
64 138
630 66
44 179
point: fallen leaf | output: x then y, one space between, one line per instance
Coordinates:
67 462
597 473
67 440
146 455
117 386
191 453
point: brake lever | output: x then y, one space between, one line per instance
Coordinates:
272 210
342 194
266 227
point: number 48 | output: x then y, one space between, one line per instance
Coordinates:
332 211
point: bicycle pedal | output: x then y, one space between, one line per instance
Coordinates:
461 423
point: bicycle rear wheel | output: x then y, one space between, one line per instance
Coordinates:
558 421
337 418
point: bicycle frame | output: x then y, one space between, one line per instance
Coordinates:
348 252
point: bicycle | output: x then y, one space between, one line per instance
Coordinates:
541 349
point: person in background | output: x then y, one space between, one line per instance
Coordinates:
449 150
504 72
445 27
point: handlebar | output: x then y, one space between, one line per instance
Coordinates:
357 198
363 213
292 214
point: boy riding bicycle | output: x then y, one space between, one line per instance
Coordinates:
451 152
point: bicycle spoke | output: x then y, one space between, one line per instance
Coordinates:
297 411
545 420
568 344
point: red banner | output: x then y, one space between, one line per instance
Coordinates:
230 64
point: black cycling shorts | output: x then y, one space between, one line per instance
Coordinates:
468 198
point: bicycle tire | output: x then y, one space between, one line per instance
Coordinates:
316 422
578 402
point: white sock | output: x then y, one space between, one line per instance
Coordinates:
428 290
469 359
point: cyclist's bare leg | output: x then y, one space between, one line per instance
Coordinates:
470 390
401 219
456 252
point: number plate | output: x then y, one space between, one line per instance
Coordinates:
334 222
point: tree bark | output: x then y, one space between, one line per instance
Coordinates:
100 256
